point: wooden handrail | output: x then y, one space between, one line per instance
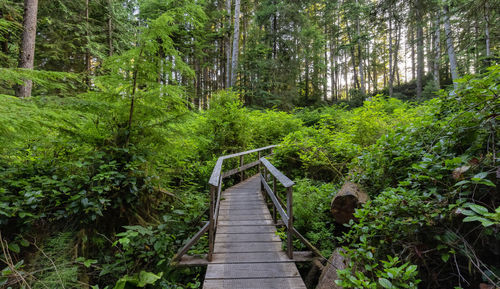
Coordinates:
216 181
284 180
216 172
287 216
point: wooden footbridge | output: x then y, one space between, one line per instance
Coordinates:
245 250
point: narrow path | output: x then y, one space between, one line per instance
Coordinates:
247 251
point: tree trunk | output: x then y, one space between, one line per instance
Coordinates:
27 55
110 27
228 44
325 71
412 43
360 57
333 70
236 42
437 50
87 50
420 47
486 29
374 64
346 71
391 74
449 44
395 69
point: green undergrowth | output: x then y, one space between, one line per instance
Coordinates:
431 171
66 166
86 199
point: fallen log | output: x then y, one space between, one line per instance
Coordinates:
350 197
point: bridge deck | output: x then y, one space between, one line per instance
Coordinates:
247 251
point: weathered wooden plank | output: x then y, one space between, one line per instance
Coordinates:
245 223
268 283
237 204
243 207
243 199
263 237
245 229
247 247
192 261
284 180
248 152
254 257
253 211
251 270
227 217
214 178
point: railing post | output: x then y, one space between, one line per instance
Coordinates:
289 209
259 160
242 173
211 226
275 219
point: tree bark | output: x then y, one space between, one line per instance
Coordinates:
449 44
395 69
236 43
486 29
27 55
437 49
360 56
391 74
228 44
110 27
420 47
87 50
412 43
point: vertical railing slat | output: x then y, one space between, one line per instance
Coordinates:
289 211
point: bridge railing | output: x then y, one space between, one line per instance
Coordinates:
266 169
216 183
278 204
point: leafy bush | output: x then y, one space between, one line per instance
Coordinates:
425 177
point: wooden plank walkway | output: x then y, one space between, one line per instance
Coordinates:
247 251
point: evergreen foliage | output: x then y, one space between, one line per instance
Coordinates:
103 171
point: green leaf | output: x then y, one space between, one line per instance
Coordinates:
411 269
486 182
24 243
481 175
478 209
146 278
87 263
14 248
385 283
445 257
473 219
462 183
120 284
